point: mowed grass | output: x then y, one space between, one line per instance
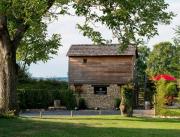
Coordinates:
89 126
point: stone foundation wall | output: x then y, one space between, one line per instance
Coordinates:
101 101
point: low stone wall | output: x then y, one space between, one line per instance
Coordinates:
100 101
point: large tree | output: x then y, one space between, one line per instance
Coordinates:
130 20
18 20
35 46
164 59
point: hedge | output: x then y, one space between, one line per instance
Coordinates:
43 98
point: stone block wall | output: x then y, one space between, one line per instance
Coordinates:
95 100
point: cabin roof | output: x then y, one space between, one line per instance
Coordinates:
99 50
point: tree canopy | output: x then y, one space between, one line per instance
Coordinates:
129 20
141 64
164 59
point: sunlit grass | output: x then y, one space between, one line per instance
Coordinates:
89 126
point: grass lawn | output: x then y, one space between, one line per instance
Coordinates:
89 126
171 112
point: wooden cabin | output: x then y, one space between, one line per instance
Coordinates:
96 72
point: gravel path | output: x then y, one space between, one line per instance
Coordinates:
68 113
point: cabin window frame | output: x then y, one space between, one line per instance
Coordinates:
100 89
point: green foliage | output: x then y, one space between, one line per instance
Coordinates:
36 99
42 84
129 20
170 112
68 99
42 93
170 89
141 65
160 96
35 46
141 62
117 102
95 36
177 37
150 91
82 103
165 92
142 83
164 59
43 98
127 98
23 74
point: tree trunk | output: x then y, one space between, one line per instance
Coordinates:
7 71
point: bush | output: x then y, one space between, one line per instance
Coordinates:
68 99
36 94
165 92
160 96
170 89
127 99
37 99
170 112
117 102
82 103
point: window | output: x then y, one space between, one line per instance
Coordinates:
100 89
84 61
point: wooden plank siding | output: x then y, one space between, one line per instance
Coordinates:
101 69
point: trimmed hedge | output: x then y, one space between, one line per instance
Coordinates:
37 94
41 98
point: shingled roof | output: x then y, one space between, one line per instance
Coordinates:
99 50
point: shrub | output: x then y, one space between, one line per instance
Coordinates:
170 89
68 99
127 99
117 102
82 103
36 94
170 112
36 99
165 92
160 96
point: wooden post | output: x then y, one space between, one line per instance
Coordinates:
100 112
40 114
71 113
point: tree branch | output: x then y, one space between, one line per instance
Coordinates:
49 4
19 34
20 31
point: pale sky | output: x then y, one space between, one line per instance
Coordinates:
66 26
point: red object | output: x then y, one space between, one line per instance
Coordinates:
164 77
